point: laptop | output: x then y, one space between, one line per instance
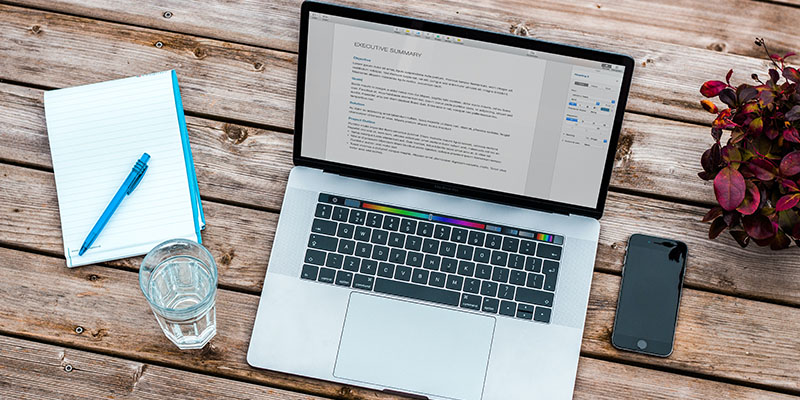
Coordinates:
439 229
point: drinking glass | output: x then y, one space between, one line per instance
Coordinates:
179 280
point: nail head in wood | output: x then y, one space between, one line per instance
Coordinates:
159 45
68 368
167 14
78 330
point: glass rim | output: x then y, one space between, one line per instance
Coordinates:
210 296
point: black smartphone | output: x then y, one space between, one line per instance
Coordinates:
649 296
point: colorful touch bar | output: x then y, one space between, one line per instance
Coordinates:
544 237
458 222
407 213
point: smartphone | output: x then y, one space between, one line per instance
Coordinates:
649 296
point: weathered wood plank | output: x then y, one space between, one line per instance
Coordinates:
34 370
717 335
683 22
249 83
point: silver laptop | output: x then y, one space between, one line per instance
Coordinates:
439 229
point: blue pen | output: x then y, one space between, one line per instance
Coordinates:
127 187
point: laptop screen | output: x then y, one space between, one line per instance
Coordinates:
457 110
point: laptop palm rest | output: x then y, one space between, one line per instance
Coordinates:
413 347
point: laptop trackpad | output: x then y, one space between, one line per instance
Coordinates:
413 347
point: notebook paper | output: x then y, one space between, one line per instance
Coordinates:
96 133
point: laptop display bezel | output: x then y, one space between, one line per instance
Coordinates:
471 34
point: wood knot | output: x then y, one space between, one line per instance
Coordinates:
718 46
624 148
598 5
200 53
258 66
346 393
16 210
227 258
520 29
235 133
100 333
93 277
36 29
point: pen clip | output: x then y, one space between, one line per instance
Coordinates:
136 180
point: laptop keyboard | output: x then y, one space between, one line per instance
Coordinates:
477 266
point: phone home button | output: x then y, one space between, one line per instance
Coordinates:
641 344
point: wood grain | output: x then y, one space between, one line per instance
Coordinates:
31 370
243 21
252 84
720 336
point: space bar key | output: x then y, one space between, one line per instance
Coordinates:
418 292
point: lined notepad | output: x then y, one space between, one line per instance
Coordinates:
96 133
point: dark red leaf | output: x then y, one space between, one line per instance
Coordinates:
791 74
728 96
741 238
788 201
731 218
746 93
790 186
731 154
790 165
773 74
712 214
728 76
751 201
789 54
716 228
793 114
716 133
791 134
705 176
780 242
712 88
750 108
729 187
758 226
762 169
775 57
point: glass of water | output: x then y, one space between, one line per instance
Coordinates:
179 280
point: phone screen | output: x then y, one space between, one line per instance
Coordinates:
649 295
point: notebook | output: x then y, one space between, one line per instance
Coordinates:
96 133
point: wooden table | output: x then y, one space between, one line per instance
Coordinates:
88 332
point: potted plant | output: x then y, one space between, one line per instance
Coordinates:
756 173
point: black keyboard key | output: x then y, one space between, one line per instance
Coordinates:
549 251
437 279
535 281
483 271
527 247
475 238
334 260
402 273
322 242
357 217
550 282
391 223
351 263
489 288
508 308
369 267
344 278
323 211
447 249
326 275
374 220
408 225
525 311
419 292
466 268
397 256
550 268
425 229
470 301
363 249
449 265
315 257
414 259
506 292
380 253
542 314
413 243
430 246
363 282
531 296
362 234
464 252
500 274
323 226
510 244
347 246
472 285
340 213
459 235
482 255
517 278
345 231
386 270
397 239
493 241
516 261
454 282
420 276
490 305
441 232
379 236
431 262
309 272
499 258
533 264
